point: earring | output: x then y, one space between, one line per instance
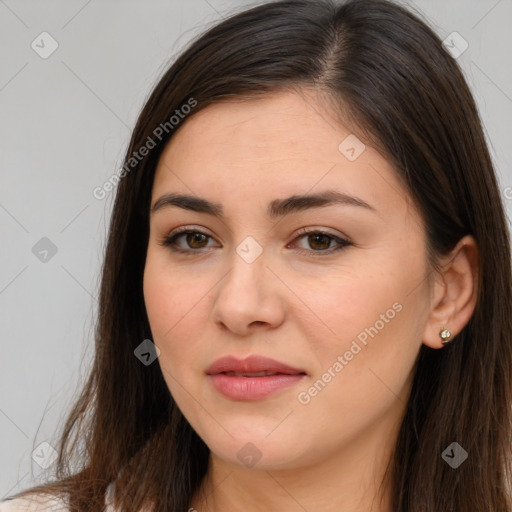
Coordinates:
445 336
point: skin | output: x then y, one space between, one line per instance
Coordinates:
302 308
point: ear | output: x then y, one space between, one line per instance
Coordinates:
454 292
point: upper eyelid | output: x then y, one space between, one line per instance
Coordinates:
301 231
186 229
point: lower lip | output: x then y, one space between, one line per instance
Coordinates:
252 388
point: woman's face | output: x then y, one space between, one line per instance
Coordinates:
332 287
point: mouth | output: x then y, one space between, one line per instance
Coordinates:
252 366
254 374
253 378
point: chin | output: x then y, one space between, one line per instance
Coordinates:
257 451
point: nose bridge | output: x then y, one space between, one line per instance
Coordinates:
247 271
247 294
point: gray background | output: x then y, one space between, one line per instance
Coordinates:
65 124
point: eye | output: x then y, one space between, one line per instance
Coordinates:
191 241
321 242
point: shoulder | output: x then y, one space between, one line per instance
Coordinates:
34 503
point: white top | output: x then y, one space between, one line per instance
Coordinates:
37 503
45 503
33 503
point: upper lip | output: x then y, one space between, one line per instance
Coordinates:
251 364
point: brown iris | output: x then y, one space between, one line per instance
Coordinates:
315 240
196 238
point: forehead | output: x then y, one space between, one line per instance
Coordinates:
279 144
278 126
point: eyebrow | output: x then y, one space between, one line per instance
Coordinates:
276 208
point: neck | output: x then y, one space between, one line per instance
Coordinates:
349 480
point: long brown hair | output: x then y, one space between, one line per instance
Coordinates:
386 71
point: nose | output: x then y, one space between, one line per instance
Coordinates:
248 298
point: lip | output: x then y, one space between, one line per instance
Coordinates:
241 387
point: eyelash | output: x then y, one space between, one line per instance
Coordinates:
170 241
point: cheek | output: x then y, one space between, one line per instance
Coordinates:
363 373
373 320
337 308
177 307
174 304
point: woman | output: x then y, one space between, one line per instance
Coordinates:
306 294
